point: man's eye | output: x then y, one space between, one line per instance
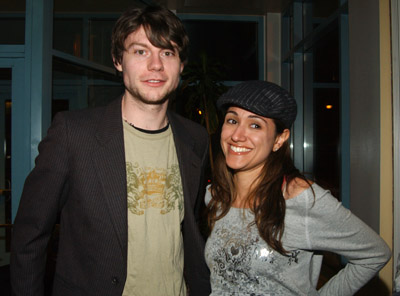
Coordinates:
169 54
139 51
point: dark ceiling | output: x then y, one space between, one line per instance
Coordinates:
231 6
241 7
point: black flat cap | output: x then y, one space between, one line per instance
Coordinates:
262 98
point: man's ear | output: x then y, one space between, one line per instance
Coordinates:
117 65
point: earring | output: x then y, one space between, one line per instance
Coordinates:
276 149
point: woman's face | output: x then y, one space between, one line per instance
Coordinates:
247 139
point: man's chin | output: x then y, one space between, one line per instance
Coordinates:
156 100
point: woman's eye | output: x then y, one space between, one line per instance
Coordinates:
231 121
255 125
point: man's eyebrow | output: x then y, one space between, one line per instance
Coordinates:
136 43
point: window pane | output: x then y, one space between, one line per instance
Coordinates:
100 41
324 8
326 58
83 87
232 43
67 36
15 32
327 139
12 22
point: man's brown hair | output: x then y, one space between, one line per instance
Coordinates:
162 27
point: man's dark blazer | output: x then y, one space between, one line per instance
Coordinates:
80 173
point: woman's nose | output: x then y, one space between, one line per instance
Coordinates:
239 134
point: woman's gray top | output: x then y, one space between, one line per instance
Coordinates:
241 263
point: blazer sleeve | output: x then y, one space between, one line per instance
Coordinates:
199 206
334 228
38 210
191 141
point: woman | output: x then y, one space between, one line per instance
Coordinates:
267 220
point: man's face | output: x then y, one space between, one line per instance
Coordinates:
150 73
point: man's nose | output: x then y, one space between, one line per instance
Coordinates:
155 63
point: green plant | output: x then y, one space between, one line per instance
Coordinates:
201 87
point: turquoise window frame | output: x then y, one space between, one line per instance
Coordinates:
297 65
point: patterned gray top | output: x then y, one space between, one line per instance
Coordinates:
241 263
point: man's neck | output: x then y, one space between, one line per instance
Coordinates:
144 116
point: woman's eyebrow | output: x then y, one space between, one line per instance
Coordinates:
230 111
257 117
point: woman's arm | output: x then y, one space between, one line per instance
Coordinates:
334 228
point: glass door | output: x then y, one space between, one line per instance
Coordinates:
5 175
15 158
5 165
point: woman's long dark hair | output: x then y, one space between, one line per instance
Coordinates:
265 198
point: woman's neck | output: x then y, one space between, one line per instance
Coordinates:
244 183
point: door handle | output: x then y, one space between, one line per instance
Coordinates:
5 191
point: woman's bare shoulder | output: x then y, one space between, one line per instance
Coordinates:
295 187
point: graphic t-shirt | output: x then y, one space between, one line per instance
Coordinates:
242 263
155 213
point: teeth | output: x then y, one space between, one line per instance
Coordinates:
154 81
239 149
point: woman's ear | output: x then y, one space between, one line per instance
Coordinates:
280 139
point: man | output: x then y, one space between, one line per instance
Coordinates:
126 179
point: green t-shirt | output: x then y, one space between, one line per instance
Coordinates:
155 213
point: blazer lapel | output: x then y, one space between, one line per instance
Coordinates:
189 161
109 160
